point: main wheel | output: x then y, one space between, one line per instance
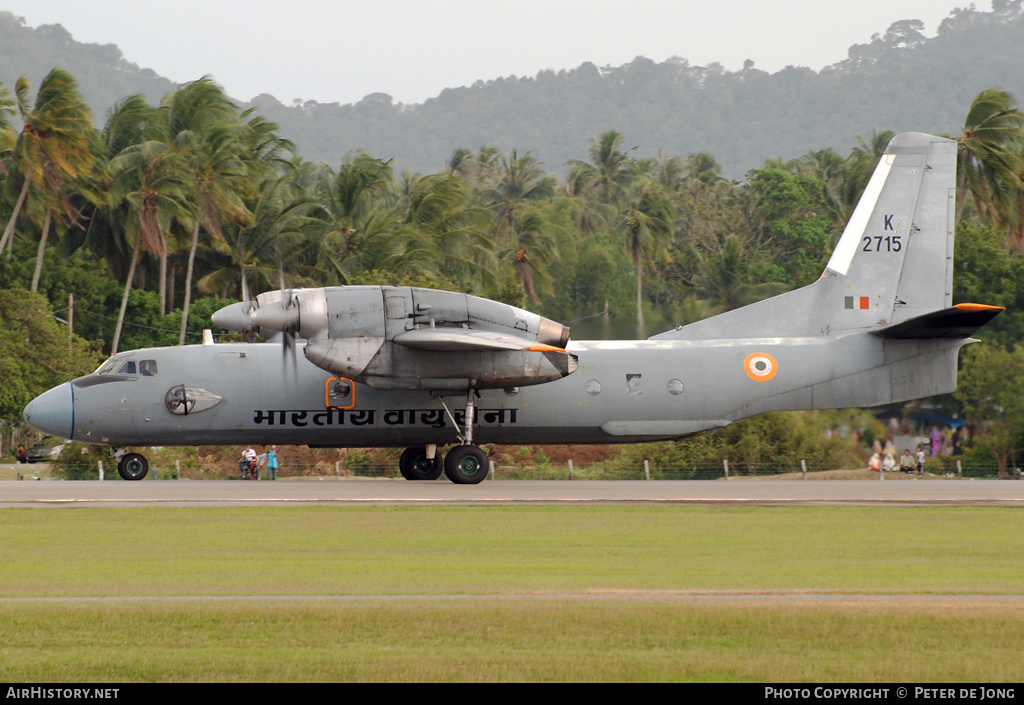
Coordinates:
465 465
133 466
415 465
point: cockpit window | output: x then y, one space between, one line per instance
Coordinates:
108 366
119 365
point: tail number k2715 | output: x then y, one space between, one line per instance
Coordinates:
878 243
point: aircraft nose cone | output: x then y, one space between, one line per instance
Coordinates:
53 412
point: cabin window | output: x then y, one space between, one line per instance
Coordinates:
147 368
633 385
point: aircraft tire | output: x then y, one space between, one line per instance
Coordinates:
465 465
133 467
415 465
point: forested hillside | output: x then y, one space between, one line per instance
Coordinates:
897 80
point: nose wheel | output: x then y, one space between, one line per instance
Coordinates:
132 466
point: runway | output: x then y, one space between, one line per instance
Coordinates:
1002 493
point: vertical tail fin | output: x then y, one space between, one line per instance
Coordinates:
897 250
893 263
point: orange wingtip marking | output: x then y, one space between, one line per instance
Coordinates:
545 348
979 307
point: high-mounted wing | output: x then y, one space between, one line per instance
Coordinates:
410 338
460 339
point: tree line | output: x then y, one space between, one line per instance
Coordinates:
165 209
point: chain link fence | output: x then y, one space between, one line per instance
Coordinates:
947 468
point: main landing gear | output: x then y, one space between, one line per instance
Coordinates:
464 464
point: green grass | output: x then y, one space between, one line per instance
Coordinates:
541 593
529 639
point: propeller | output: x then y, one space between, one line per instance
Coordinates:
250 334
292 309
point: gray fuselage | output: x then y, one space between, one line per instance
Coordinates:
623 391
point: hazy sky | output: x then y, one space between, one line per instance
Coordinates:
341 50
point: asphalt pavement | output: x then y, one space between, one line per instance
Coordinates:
1008 493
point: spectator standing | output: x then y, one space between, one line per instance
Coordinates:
272 463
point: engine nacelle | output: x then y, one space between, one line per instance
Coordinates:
412 338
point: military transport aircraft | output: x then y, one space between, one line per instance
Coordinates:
422 369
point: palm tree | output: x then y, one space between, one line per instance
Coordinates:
649 222
440 211
54 146
150 182
702 167
988 161
721 272
610 168
522 179
531 252
8 135
356 205
130 123
858 169
282 212
204 128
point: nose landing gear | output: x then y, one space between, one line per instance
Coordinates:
131 466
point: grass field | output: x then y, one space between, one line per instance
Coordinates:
512 594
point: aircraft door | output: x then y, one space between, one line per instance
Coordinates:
397 306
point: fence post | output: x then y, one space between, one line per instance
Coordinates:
803 467
101 470
337 469
490 467
725 464
570 468
647 470
959 469
177 469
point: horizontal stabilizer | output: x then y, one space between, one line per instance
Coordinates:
961 321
